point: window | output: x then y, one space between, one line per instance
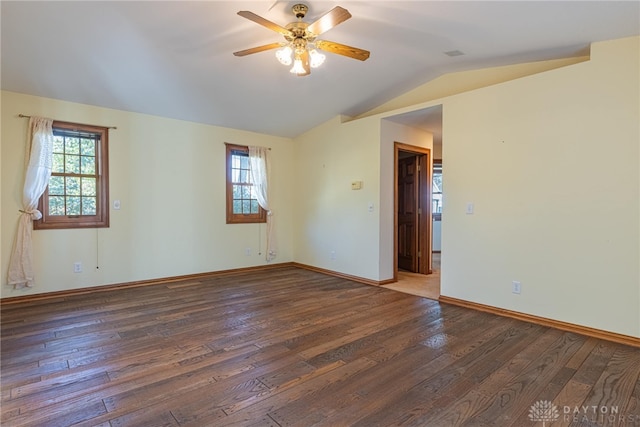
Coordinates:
78 192
437 190
242 204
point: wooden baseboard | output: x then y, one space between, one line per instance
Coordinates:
343 275
197 276
565 326
104 288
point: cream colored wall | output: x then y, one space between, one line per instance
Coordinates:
330 217
547 160
437 151
170 178
464 81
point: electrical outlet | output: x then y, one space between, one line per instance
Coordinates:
516 287
333 254
247 251
77 267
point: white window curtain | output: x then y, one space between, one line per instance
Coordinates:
259 161
38 170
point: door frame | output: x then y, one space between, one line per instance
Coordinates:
424 203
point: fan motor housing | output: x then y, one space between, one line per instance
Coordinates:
300 10
299 30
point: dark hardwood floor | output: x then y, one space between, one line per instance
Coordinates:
291 347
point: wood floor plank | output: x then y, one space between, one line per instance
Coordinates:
460 408
317 386
449 381
293 347
617 383
517 396
355 393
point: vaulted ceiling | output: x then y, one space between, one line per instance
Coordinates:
174 59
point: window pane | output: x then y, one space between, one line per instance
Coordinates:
437 183
242 205
58 144
73 205
56 205
237 192
88 165
72 164
88 186
87 147
244 162
237 206
235 162
88 206
72 145
437 203
56 186
246 192
73 186
78 188
58 163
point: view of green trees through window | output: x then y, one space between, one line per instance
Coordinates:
242 203
244 199
73 182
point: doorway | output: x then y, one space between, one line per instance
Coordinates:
412 219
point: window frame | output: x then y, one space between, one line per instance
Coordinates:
234 218
101 219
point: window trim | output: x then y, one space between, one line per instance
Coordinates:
101 219
233 218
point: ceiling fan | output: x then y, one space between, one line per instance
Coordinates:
301 46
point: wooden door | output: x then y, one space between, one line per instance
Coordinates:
408 186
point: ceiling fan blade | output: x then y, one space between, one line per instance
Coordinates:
329 20
343 49
264 22
258 49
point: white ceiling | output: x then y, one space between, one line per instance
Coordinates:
174 59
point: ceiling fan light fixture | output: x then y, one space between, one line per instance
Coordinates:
284 55
297 68
316 58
